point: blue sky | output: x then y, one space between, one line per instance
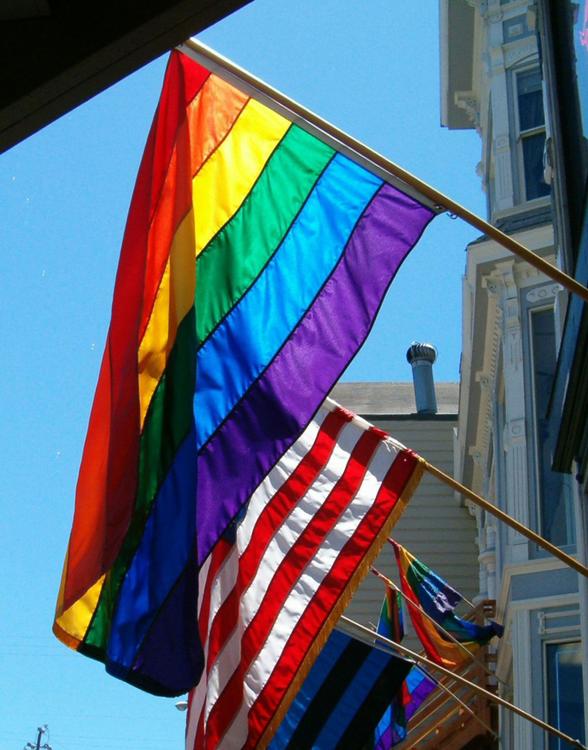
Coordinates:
372 69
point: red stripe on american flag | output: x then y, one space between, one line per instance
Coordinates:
325 598
308 544
218 556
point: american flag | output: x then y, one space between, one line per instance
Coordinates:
272 589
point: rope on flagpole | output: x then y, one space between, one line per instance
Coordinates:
471 656
505 518
358 151
458 678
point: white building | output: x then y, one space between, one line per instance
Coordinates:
512 321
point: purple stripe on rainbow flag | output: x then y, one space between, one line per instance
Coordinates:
282 401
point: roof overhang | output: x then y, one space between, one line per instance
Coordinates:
56 54
456 41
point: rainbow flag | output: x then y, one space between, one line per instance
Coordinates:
254 261
426 589
414 690
391 621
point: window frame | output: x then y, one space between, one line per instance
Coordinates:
520 135
536 489
547 641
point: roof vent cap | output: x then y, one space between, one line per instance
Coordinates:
421 358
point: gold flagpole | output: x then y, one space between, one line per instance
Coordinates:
358 151
505 518
458 678
471 656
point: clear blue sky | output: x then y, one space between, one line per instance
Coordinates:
371 68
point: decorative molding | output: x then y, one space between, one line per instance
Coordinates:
487 380
515 432
501 144
518 52
469 102
479 5
495 15
544 293
476 455
493 285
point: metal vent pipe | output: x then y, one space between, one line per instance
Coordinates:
421 358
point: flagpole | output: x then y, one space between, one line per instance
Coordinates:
471 656
505 518
390 171
458 678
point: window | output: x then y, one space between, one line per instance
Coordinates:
531 134
552 487
565 700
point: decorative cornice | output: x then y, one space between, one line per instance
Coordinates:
476 455
469 102
544 293
514 52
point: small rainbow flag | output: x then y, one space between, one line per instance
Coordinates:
254 261
438 599
415 689
391 622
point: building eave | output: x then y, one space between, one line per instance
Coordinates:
457 41
55 55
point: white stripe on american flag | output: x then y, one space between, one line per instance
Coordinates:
283 564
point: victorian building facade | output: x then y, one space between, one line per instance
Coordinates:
513 322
